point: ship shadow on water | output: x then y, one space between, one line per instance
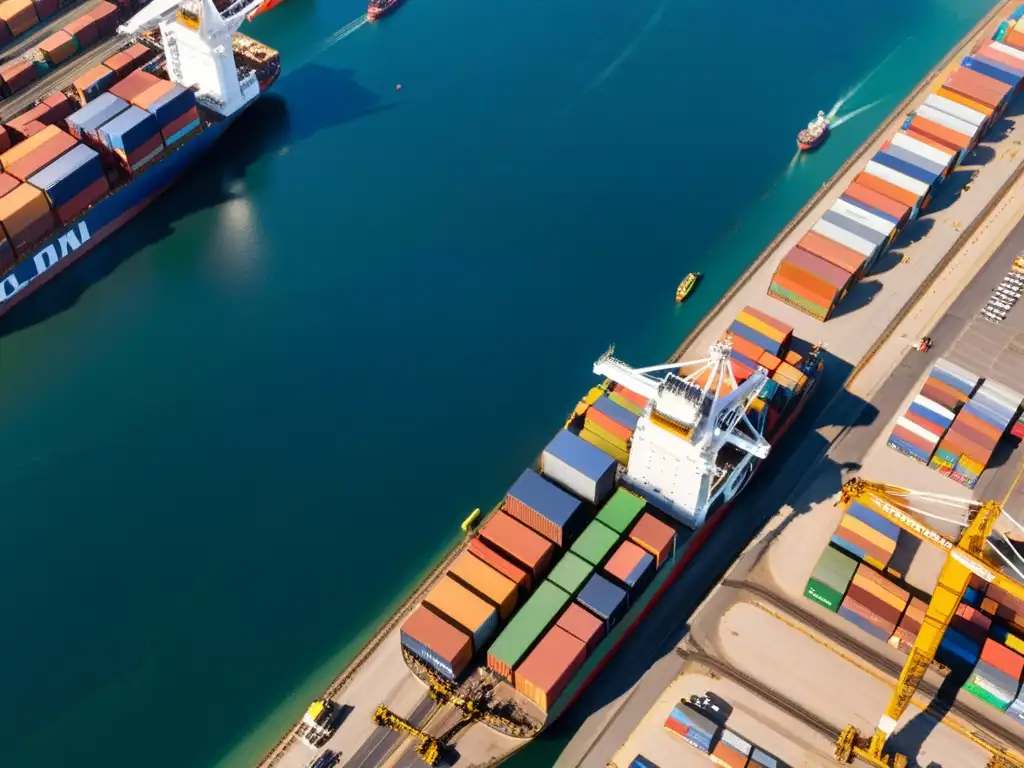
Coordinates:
294 110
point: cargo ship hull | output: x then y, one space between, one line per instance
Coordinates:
593 666
73 241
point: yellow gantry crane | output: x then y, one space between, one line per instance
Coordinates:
429 749
966 557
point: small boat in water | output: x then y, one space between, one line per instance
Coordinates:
263 8
378 8
687 286
814 135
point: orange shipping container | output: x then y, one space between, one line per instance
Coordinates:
26 216
939 133
486 582
502 564
466 610
769 361
746 348
549 668
888 189
899 211
18 151
808 285
979 87
878 554
966 101
834 253
825 302
1014 38
654 536
526 547
436 637
608 424
765 324
793 374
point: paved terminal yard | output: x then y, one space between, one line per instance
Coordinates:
848 338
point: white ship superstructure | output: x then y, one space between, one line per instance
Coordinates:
694 447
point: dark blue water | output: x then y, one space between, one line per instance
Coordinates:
235 435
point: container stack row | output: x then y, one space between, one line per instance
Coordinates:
723 745
731 750
118 67
918 431
609 425
692 726
18 16
867 535
873 603
898 182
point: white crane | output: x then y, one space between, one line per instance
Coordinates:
674 456
163 10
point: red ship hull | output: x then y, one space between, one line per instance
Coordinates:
807 146
374 12
267 5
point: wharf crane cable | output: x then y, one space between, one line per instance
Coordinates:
965 557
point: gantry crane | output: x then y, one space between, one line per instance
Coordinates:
429 749
966 557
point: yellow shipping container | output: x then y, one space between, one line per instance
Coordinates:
866 531
972 466
761 327
461 606
791 373
757 405
1013 642
605 435
486 581
619 454
19 151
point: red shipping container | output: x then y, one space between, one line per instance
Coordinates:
974 85
922 422
133 84
787 283
525 546
60 107
583 625
748 349
979 424
31 129
676 727
728 756
888 189
940 133
626 557
143 156
7 184
74 207
899 211
180 124
830 277
84 29
449 643
25 240
834 253
866 613
38 113
630 395
46 8
608 424
105 16
868 547
967 431
550 667
18 75
655 536
764 317
1002 658
501 564
886 612
40 157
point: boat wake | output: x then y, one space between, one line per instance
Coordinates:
850 115
342 33
853 91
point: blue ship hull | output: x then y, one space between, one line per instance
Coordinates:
72 241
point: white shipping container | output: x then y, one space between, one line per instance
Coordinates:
1009 50
570 478
917 429
953 123
901 180
868 219
956 109
931 405
1003 392
841 236
927 151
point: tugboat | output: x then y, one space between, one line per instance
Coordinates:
814 135
378 8
687 286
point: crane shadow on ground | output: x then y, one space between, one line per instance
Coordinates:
292 112
909 739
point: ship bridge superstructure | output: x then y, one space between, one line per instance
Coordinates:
694 447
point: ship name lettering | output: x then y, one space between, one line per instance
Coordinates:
69 242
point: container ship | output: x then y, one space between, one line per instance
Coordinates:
587 540
377 8
814 135
82 162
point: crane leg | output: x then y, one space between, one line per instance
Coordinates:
851 744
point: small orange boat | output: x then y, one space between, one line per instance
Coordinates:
267 5
378 8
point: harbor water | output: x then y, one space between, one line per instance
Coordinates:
236 434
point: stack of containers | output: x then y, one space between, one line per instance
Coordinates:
893 210
582 624
855 218
962 108
896 160
809 283
655 537
7 254
485 582
501 564
526 627
85 123
761 759
1008 608
957 134
73 182
890 190
594 544
621 510
732 750
611 425
19 15
17 75
26 217
105 16
914 192
133 137
550 667
983 89
570 573
843 252
906 632
971 622
605 600
992 67
174 108
949 385
918 431
59 108
84 30
578 466
693 726
34 153
134 84
519 544
130 59
930 150
58 48
874 603
628 394
755 334
94 82
957 651
553 513
1004 59
444 648
996 676
620 398
867 535
464 610
631 567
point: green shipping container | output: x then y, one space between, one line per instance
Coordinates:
621 510
529 623
570 573
805 306
823 594
595 542
987 696
626 403
834 569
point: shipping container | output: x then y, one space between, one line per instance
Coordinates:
655 537
44 153
933 172
626 403
989 53
486 582
755 337
956 651
761 759
641 762
616 413
594 544
464 609
977 86
630 395
940 133
46 8
69 176
129 131
435 642
601 443
545 507
20 16
526 547
578 466
550 667
631 566
527 625
94 83
621 510
582 624
604 599
890 190
845 238
18 75
105 16
26 217
770 326
84 31
860 213
954 124
695 727
991 68
133 84
819 276
570 572
502 564
943 157
86 121
882 205
60 108
891 161
834 569
963 107
728 757
737 743
58 47
130 59
616 433
166 101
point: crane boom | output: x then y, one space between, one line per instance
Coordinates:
966 557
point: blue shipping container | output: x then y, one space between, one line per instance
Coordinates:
915 159
972 597
907 169
977 409
1016 69
987 69
545 498
940 422
604 599
102 109
755 337
908 450
641 762
867 516
96 88
640 570
581 455
869 209
763 758
846 546
172 105
954 380
129 130
862 623
744 360
69 175
616 412
428 657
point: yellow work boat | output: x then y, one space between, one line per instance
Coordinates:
687 285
